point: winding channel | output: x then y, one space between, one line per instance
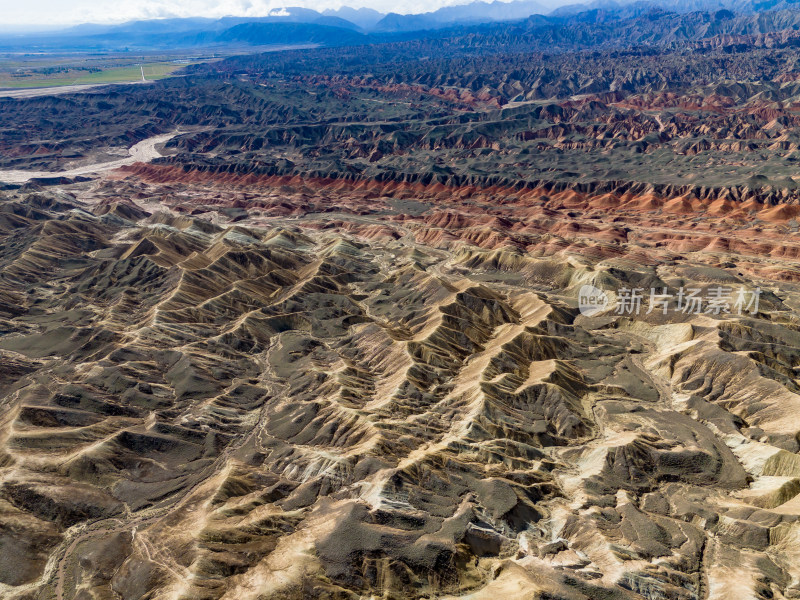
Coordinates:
144 151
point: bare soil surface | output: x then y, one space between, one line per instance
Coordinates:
143 152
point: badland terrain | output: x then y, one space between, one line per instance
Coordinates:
308 324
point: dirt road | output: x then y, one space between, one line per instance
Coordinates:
61 89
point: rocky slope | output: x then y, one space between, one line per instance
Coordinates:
293 390
333 343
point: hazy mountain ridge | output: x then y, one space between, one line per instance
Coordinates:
476 12
188 32
633 7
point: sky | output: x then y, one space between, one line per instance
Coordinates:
68 12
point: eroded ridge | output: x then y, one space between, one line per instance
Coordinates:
395 398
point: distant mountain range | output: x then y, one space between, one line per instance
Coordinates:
633 7
366 18
295 26
476 12
361 19
349 26
291 25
